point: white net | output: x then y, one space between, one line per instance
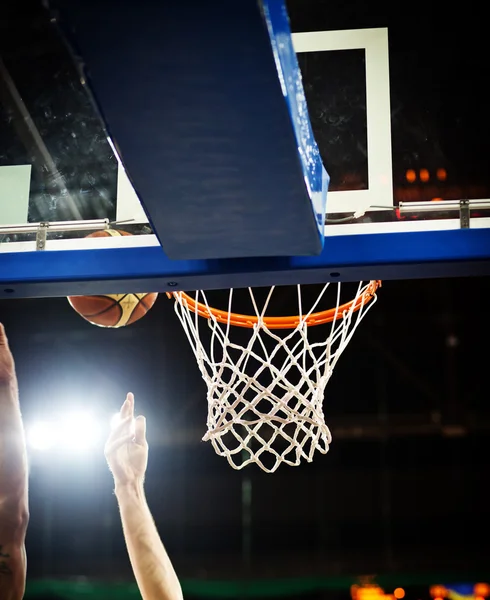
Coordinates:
266 383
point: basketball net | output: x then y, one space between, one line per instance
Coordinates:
265 393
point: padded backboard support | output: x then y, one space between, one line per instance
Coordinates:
205 104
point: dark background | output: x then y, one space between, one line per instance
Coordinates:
404 486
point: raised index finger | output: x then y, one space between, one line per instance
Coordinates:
127 409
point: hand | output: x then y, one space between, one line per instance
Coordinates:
7 365
126 449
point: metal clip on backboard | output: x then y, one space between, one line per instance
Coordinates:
464 214
41 234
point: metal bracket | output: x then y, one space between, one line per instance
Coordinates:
91 225
464 214
444 206
41 233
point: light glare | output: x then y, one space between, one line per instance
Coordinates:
75 432
41 436
115 420
79 431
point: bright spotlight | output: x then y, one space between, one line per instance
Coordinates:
79 432
75 432
41 436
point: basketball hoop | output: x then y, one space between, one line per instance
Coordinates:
265 391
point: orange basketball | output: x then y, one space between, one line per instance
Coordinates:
112 310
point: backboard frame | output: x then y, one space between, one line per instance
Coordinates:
401 255
352 252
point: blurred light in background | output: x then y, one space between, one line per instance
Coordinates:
75 432
41 436
411 176
441 174
482 589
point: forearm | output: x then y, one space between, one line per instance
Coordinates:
152 567
13 459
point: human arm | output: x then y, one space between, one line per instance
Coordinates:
127 454
13 481
151 564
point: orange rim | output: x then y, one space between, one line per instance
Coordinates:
318 318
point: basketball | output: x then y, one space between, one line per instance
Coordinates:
112 310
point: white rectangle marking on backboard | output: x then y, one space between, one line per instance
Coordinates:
378 113
15 184
128 206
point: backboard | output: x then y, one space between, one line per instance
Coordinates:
400 128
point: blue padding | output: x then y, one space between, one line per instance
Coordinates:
225 165
347 258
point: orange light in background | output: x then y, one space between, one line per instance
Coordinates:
424 175
479 598
369 592
436 200
481 589
438 592
441 174
399 593
411 176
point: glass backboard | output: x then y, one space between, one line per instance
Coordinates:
401 128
